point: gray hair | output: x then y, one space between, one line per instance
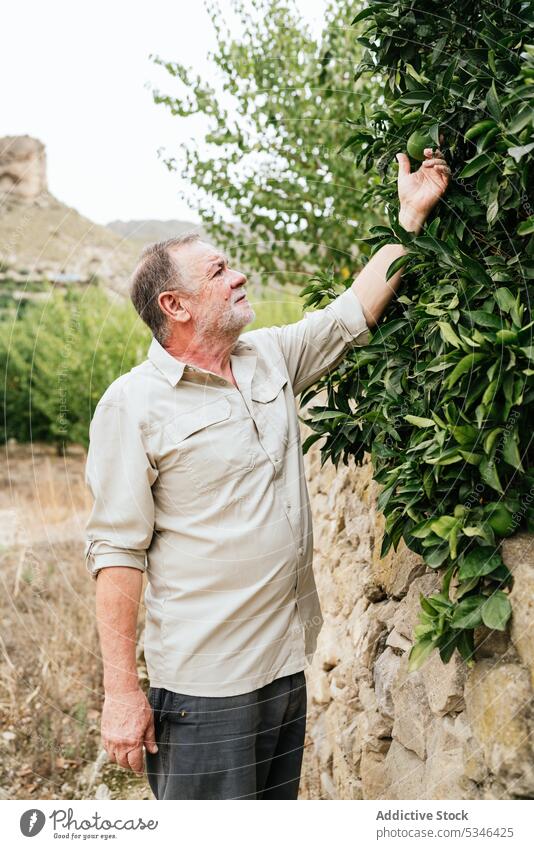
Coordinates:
157 272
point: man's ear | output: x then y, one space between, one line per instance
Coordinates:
173 307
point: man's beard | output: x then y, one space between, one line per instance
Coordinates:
227 325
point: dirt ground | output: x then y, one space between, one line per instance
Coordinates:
50 665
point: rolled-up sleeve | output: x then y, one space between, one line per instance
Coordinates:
120 477
316 343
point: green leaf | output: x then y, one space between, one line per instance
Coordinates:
526 227
467 613
520 121
485 319
474 165
471 457
419 653
505 299
492 102
444 526
478 562
449 335
365 13
423 529
419 421
489 475
416 97
329 414
465 365
496 611
511 451
447 644
397 264
437 556
466 646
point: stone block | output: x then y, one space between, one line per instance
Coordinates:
322 742
367 640
385 673
397 641
444 765
319 689
518 554
328 788
404 774
373 775
412 715
328 649
444 683
498 698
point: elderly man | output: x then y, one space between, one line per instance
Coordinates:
196 469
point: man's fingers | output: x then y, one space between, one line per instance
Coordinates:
437 153
121 758
134 759
150 738
404 163
436 163
109 750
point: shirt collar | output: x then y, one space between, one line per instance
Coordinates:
173 369
168 365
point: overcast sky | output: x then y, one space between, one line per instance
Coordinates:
77 76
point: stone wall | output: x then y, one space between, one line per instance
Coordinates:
376 732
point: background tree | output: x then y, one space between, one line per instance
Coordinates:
271 158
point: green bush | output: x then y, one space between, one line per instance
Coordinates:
442 397
57 358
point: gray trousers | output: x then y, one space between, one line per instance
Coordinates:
229 747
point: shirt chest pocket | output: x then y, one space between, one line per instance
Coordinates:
271 415
206 447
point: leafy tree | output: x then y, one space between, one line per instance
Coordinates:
271 160
442 397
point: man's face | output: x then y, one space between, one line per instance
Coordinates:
220 305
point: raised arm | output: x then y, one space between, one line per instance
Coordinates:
418 193
319 341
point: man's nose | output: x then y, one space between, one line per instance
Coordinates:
239 280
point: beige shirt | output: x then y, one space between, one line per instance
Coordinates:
202 485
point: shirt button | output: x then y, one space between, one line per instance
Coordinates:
301 551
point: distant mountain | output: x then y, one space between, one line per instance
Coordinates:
145 232
41 237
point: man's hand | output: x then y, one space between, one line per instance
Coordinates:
420 191
127 725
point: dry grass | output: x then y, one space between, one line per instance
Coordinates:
50 665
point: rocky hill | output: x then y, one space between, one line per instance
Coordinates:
41 237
